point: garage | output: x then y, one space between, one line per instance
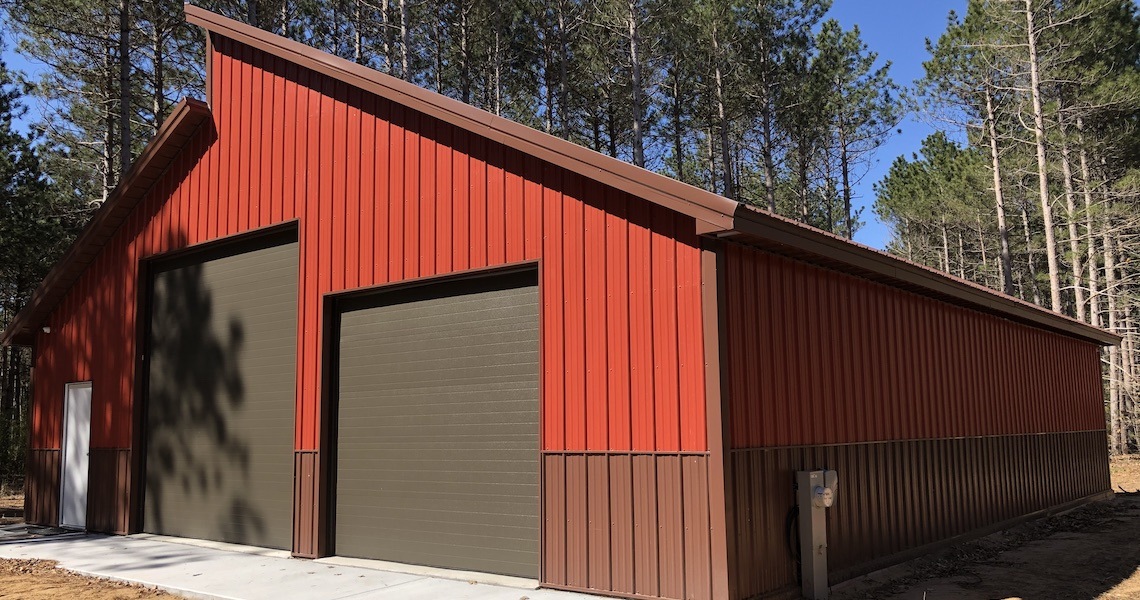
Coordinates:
362 377
220 393
437 446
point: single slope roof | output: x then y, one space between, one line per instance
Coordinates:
715 215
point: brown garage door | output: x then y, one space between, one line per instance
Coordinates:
219 415
437 450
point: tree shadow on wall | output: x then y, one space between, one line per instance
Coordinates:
197 466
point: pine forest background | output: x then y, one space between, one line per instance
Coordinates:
1033 188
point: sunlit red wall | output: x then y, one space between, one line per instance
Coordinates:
820 357
383 193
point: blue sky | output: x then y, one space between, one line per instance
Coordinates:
895 29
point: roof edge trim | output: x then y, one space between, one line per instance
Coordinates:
159 152
784 232
681 197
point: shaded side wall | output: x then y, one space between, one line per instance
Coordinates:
382 193
940 420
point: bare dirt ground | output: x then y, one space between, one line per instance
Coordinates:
11 509
1089 553
42 580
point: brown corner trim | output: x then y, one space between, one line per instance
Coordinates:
722 536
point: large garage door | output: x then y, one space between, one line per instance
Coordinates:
437 452
219 437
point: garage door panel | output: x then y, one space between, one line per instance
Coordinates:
221 377
437 447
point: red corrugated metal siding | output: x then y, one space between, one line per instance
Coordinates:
382 194
819 357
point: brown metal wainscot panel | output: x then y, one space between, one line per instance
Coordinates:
897 499
631 525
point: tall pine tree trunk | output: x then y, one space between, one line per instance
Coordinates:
985 254
1042 166
635 83
405 70
124 86
1029 253
1090 233
999 198
110 121
678 126
464 54
1071 217
845 172
386 42
721 116
769 163
1114 363
159 99
945 248
497 68
357 33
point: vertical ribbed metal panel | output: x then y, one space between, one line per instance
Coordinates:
306 503
382 194
108 507
900 496
827 358
41 487
627 524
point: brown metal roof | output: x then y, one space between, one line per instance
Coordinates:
715 215
183 121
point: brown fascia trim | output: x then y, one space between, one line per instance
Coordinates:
716 211
784 236
162 149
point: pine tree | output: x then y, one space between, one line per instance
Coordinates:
38 220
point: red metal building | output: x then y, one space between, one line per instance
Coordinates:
634 367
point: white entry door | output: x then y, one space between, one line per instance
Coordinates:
76 443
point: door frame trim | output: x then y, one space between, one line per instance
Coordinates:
331 307
67 387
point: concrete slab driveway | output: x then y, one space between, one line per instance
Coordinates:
200 572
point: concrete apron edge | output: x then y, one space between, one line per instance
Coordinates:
254 550
173 589
441 573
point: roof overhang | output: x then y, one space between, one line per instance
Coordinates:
705 206
163 148
715 216
784 236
